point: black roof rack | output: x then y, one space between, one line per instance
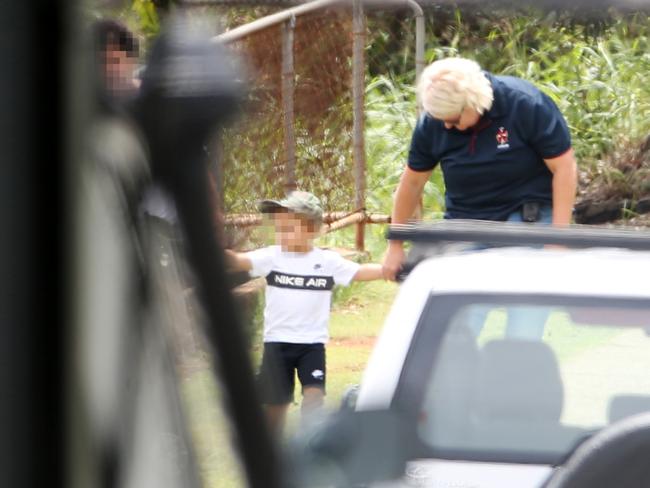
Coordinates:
518 234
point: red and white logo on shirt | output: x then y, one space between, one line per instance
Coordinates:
502 138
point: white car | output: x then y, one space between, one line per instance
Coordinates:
506 365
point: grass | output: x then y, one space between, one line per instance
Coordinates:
210 429
565 338
357 316
575 339
355 323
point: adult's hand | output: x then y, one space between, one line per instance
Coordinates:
393 260
408 193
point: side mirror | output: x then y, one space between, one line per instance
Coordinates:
349 448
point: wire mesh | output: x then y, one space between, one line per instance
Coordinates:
257 160
254 151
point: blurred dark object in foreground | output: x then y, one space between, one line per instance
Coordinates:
189 87
86 377
31 214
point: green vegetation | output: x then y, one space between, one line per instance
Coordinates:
390 119
594 67
567 339
356 320
592 63
575 339
210 428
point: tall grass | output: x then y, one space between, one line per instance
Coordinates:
390 119
595 71
597 79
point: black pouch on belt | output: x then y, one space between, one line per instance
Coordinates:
530 212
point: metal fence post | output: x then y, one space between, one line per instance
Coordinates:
288 88
419 47
419 67
358 90
288 19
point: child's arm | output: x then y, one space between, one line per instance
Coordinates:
237 261
368 272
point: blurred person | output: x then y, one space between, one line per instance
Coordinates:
117 50
503 146
300 279
153 210
133 275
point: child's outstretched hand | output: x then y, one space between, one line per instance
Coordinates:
368 272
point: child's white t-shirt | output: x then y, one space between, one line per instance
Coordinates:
299 291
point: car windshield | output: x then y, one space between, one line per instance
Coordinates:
527 379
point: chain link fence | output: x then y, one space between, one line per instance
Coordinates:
303 123
303 138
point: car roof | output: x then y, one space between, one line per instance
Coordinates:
598 272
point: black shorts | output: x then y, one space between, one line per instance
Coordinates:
280 361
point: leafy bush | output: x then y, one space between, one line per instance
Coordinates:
390 118
594 68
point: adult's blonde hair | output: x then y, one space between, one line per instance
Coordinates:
449 85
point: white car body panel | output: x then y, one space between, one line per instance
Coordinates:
463 474
591 272
383 368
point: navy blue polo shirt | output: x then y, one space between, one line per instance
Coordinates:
491 169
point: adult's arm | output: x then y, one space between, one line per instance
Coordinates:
407 196
565 181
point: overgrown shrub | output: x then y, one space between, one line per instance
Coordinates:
594 67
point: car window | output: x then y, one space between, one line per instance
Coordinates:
529 379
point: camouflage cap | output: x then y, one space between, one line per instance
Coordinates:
300 202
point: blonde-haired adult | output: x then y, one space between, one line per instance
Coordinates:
503 146
450 85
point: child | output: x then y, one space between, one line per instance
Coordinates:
299 281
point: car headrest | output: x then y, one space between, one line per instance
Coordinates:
455 366
519 380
